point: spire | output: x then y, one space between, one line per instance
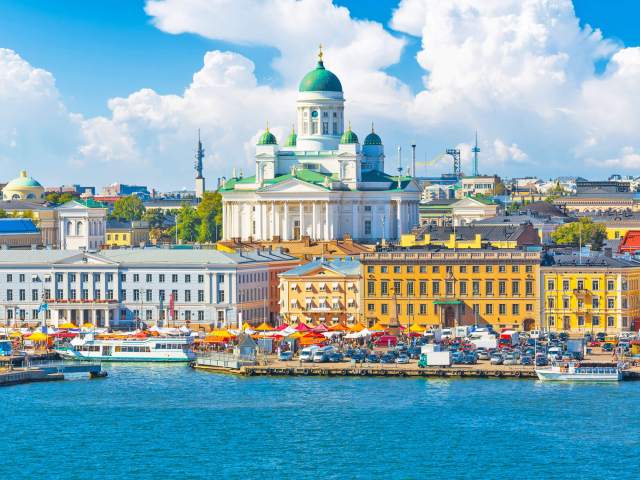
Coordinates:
199 157
320 55
372 130
475 150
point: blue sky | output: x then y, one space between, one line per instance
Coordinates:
115 92
101 49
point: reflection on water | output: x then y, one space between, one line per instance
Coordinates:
160 420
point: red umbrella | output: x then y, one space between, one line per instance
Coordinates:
320 328
282 327
301 327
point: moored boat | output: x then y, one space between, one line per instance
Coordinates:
574 372
152 349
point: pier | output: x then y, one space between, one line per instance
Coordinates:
49 372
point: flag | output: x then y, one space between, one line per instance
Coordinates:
172 307
44 306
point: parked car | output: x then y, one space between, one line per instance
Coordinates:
564 336
483 355
285 356
607 347
387 358
336 357
457 357
497 359
372 358
470 359
358 356
541 361
601 336
306 355
320 357
402 359
526 360
510 359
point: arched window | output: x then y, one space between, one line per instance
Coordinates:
69 227
31 196
79 228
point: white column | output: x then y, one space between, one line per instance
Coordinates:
314 216
239 219
301 219
387 220
399 219
257 218
285 233
326 221
272 227
355 221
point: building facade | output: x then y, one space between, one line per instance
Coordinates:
446 288
595 294
118 288
126 234
321 182
82 225
321 291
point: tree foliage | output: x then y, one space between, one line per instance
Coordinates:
155 217
128 209
188 223
585 231
210 214
58 198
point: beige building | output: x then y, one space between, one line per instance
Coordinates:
321 291
480 185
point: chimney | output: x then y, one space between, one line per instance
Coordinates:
306 240
347 239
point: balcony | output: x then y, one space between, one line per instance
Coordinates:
581 292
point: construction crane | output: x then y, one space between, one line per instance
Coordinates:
454 152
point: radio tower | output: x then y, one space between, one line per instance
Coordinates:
476 151
200 186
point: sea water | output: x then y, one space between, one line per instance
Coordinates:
168 421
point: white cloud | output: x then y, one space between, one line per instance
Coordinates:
520 71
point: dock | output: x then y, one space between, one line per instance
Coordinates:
49 372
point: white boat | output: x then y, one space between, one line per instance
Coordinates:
152 349
574 372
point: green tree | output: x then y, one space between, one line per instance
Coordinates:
584 231
65 197
155 217
210 214
128 209
188 223
58 198
3 213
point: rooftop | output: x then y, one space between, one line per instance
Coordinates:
344 266
13 226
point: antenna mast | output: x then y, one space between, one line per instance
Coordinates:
455 153
475 151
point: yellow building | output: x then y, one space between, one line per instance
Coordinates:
127 234
321 291
452 287
591 294
476 236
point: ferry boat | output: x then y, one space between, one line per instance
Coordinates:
152 349
574 372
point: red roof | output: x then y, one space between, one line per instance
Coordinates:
631 242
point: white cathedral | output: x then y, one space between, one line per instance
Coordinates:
321 182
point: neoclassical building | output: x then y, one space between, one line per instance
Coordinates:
23 188
321 182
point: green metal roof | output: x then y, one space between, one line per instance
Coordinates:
320 80
373 138
292 140
348 137
22 181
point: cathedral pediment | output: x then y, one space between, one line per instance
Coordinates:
292 185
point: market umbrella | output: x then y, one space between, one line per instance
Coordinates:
378 327
284 326
357 327
415 328
320 328
38 337
67 325
302 327
264 327
338 327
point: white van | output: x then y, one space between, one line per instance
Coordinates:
306 354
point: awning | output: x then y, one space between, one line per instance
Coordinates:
308 285
447 302
321 285
336 285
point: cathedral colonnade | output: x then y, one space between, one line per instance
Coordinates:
319 219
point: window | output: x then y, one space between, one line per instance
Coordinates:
488 309
565 303
174 294
502 268
97 295
565 285
625 302
10 295
200 278
384 269
410 288
515 268
551 285
463 269
475 269
436 287
611 302
502 288
611 322
595 321
10 277
149 296
397 288
528 288
423 288
488 286
187 295
384 288
551 320
529 307
187 279
595 302
595 285
367 227
463 287
448 287
384 309
423 269
515 309
611 285
515 288
423 309
396 269
22 295
84 294
435 269
580 284
581 320
34 295
476 287
136 295
502 309
489 268
22 277
161 278
174 278
551 302
528 268
371 288
109 294
149 277
123 295
109 277
136 277
201 295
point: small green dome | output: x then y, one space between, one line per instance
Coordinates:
267 138
348 137
292 139
373 138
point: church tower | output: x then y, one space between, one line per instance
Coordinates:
198 169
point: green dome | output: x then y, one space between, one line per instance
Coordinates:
267 138
292 139
348 137
373 138
320 80
23 181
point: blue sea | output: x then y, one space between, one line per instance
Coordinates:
157 422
